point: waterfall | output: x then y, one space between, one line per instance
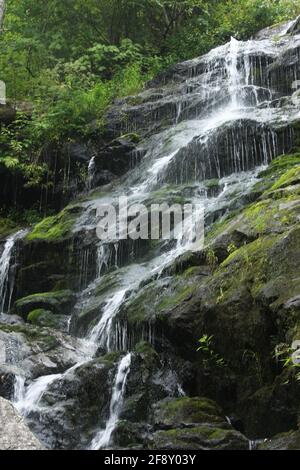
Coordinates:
222 125
26 400
233 74
7 281
91 172
100 335
103 438
19 389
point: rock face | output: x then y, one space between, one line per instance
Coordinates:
210 330
14 433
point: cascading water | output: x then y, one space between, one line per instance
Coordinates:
103 438
223 126
7 281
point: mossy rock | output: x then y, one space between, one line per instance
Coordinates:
59 302
45 318
201 437
290 178
56 228
284 441
156 297
278 190
34 335
185 410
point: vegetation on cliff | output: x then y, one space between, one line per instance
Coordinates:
64 64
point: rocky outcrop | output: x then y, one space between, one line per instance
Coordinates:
30 351
195 424
284 441
14 433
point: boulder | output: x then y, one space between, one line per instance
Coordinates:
60 302
32 351
14 432
193 424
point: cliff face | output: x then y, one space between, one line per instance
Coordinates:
100 339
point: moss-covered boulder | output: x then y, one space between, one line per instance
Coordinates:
46 318
203 437
56 228
60 302
183 411
193 423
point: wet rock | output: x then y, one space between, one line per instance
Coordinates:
114 160
285 69
32 351
76 406
194 423
46 318
183 411
11 319
14 433
295 27
7 382
283 441
60 302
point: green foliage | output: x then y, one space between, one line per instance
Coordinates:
210 357
72 59
284 355
211 259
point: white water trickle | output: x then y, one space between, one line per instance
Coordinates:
19 389
103 438
28 399
234 76
91 172
5 262
100 335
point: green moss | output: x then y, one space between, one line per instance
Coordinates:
34 335
213 183
111 358
55 228
260 215
133 137
148 353
189 410
171 194
35 315
192 272
182 292
7 227
55 302
190 434
291 177
280 165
